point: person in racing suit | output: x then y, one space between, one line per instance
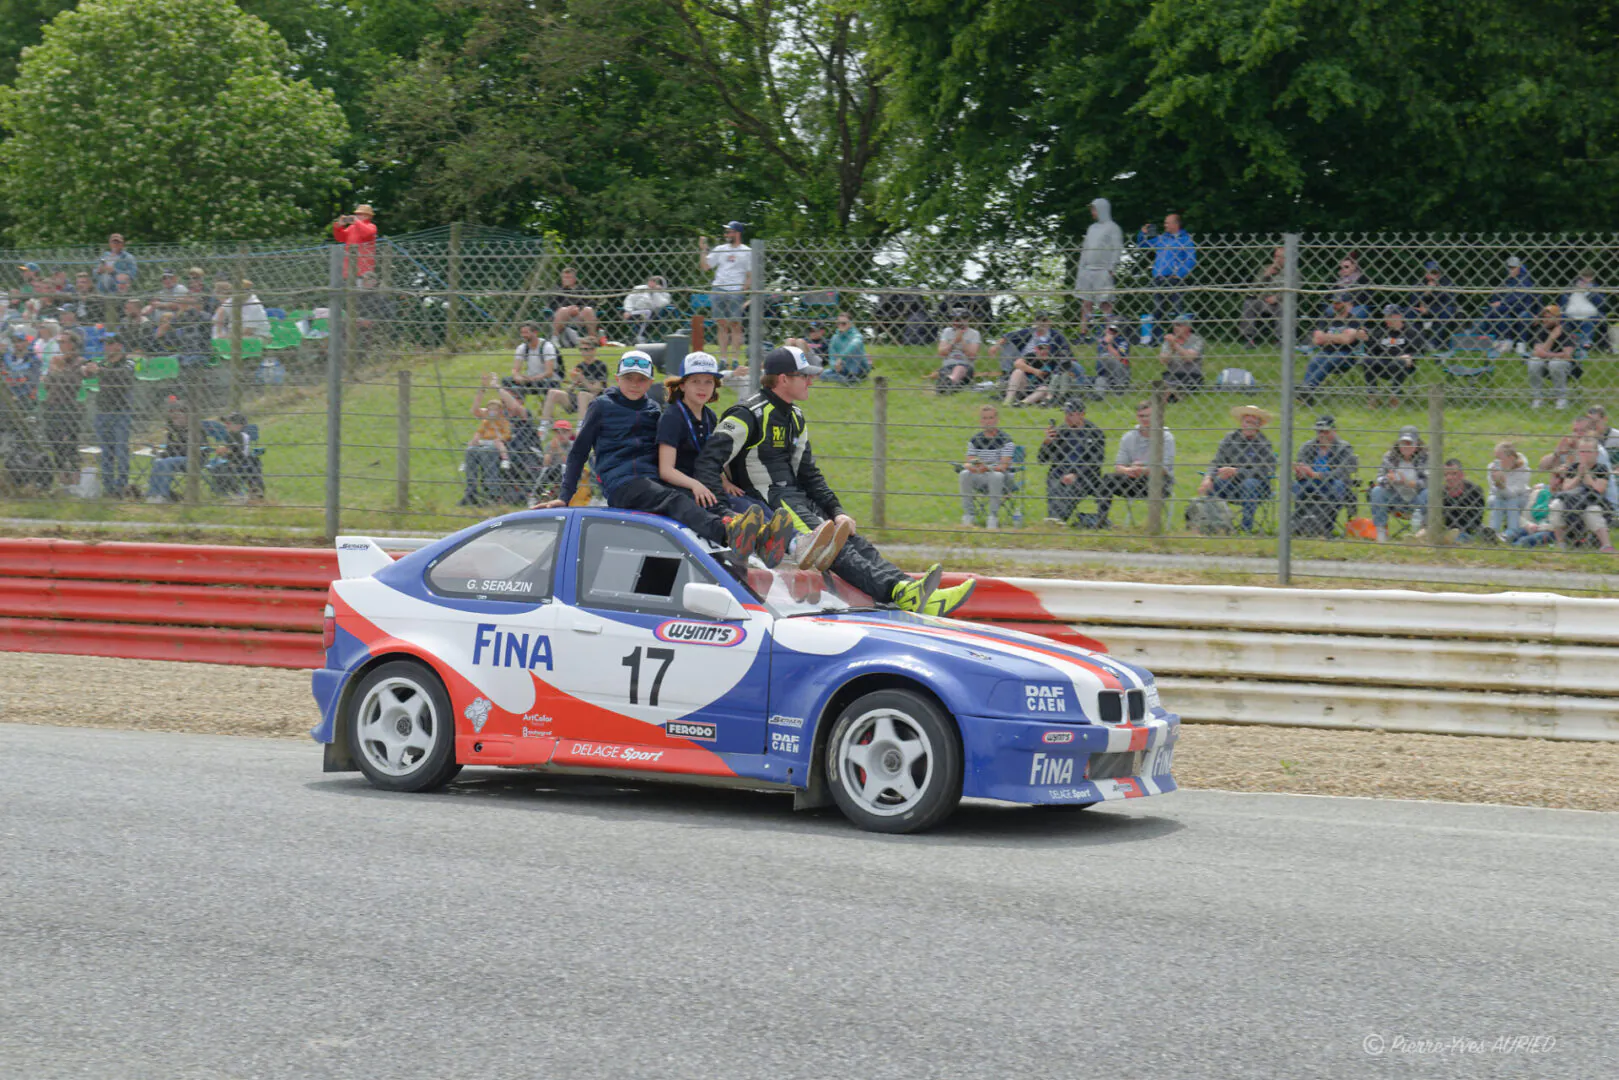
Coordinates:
762 446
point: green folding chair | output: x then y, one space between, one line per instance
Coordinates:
284 334
157 368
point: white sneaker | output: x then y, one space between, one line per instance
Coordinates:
967 521
156 499
992 523
1523 350
1053 521
1562 403
1537 404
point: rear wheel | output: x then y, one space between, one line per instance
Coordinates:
893 762
401 730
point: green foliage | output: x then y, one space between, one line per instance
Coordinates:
1254 114
165 119
21 24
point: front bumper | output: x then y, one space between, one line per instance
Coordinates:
1032 762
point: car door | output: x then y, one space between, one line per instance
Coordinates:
641 654
496 618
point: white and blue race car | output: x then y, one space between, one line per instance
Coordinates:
609 642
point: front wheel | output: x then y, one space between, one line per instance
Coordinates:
893 762
401 730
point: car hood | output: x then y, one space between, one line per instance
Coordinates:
1007 672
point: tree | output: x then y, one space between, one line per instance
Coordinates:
164 119
1254 114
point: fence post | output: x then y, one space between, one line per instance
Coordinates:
334 392
1155 464
238 297
1288 330
453 312
756 318
402 466
879 452
1436 464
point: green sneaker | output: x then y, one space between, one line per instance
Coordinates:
944 601
910 594
742 531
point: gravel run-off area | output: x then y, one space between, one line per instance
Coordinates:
269 702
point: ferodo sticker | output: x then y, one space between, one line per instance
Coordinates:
1057 737
685 632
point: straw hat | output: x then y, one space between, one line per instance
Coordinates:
1251 410
365 208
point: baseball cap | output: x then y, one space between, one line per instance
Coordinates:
1074 405
1431 264
1514 262
29 266
699 363
235 418
1325 422
1184 317
958 312
788 360
562 425
735 226
1409 434
1393 309
635 362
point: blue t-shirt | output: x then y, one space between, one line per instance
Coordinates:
678 428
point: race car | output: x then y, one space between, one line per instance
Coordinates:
610 642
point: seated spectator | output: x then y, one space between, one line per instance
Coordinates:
814 343
1335 340
487 454
1182 355
1074 451
988 463
170 458
846 359
1511 309
1112 359
197 285
139 333
255 321
1553 351
1353 284
1464 505
234 468
1021 343
123 286
958 352
32 283
84 302
1391 356
525 449
1402 482
47 343
1243 464
1533 527
645 307
187 333
1433 309
68 326
571 305
1262 308
1583 307
553 459
537 365
21 369
167 297
115 260
1582 486
1508 476
1032 373
1324 475
1131 477
588 382
1605 433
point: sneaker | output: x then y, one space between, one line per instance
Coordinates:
1562 403
967 521
944 601
1606 549
992 522
841 531
157 498
742 531
778 533
1538 403
807 549
1053 520
911 594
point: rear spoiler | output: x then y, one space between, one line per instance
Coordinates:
360 556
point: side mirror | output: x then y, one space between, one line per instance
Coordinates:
714 601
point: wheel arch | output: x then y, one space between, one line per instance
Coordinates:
339 755
815 794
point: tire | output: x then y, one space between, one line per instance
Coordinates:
893 762
401 729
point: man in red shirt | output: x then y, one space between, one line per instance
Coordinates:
360 235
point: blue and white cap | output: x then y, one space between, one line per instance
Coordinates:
635 362
699 363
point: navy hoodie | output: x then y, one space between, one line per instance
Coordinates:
624 434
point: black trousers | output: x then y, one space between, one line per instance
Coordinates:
1379 369
656 497
1063 499
1115 486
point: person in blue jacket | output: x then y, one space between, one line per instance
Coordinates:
1510 314
1171 267
621 426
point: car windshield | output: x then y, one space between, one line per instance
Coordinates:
802 592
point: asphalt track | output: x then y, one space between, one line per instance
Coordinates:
181 906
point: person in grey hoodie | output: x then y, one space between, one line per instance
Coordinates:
1104 243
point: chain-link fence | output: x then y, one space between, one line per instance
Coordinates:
1292 398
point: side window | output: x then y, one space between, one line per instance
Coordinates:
509 562
630 567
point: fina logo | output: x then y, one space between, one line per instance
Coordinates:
683 632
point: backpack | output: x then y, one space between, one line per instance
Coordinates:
1209 516
1235 378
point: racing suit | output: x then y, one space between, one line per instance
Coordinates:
762 446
